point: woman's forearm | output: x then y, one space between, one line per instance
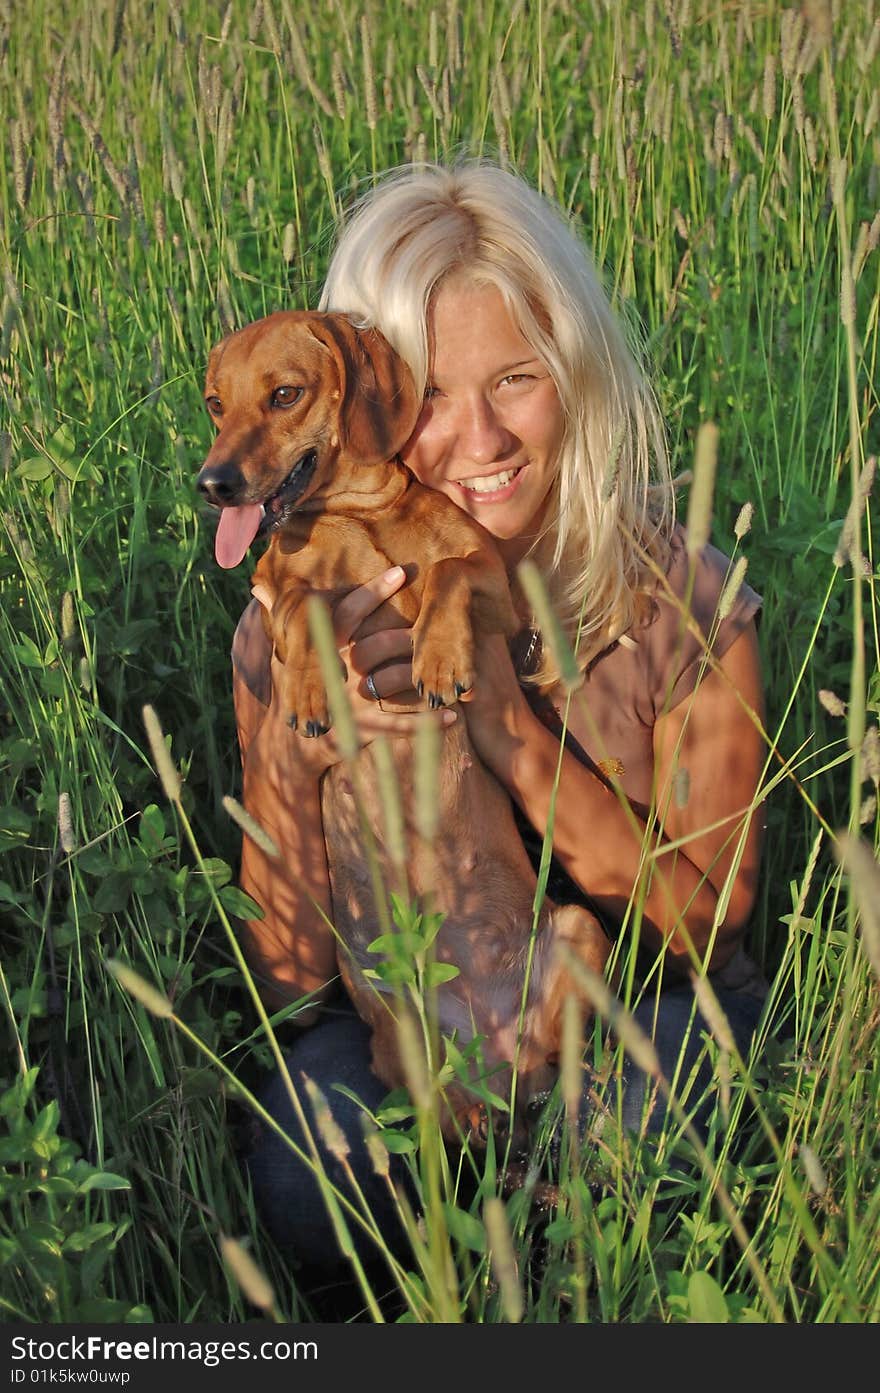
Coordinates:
601 843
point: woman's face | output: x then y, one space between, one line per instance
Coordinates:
492 424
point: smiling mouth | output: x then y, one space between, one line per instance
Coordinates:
279 505
490 483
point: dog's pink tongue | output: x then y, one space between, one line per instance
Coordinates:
235 532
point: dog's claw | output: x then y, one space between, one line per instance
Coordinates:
460 689
316 728
435 701
291 721
420 688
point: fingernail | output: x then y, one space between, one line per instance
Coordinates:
448 717
396 573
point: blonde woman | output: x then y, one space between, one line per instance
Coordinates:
537 421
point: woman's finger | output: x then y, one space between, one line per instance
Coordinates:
352 610
380 722
393 681
385 645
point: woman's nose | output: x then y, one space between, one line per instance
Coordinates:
482 435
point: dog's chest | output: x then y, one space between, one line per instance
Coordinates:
332 567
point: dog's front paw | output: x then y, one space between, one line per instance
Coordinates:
304 701
442 672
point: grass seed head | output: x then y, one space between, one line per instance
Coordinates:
426 778
142 990
831 702
503 1258
768 93
870 755
329 1129
732 587
813 1169
377 1151
571 1051
743 522
415 1065
168 775
250 827
391 801
369 74
253 1281
321 629
66 834
712 1013
860 863
699 517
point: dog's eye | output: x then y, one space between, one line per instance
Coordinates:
214 405
286 396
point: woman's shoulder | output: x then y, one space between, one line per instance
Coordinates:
710 570
700 606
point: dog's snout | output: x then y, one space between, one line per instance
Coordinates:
221 483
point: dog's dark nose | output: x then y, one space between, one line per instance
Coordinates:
221 483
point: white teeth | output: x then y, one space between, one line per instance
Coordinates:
490 483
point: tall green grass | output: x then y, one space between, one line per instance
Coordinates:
175 170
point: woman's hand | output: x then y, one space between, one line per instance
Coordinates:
364 650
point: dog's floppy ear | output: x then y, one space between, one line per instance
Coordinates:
378 401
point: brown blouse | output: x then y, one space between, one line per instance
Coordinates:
647 672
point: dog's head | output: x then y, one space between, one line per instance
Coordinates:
301 402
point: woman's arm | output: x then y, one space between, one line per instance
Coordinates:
602 843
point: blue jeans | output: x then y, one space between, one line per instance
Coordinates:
337 1050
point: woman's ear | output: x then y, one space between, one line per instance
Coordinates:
378 401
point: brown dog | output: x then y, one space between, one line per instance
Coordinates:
311 412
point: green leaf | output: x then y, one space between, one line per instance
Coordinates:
61 445
465 1228
217 871
435 973
15 1097
103 1180
14 823
236 902
560 1230
151 830
36 469
432 926
84 1238
27 652
113 894
706 1300
397 1113
397 944
393 973
47 1121
398 1143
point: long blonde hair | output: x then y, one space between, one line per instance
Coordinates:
613 499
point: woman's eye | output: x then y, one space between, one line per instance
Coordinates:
517 377
286 396
430 392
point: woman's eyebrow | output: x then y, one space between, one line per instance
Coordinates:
500 371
